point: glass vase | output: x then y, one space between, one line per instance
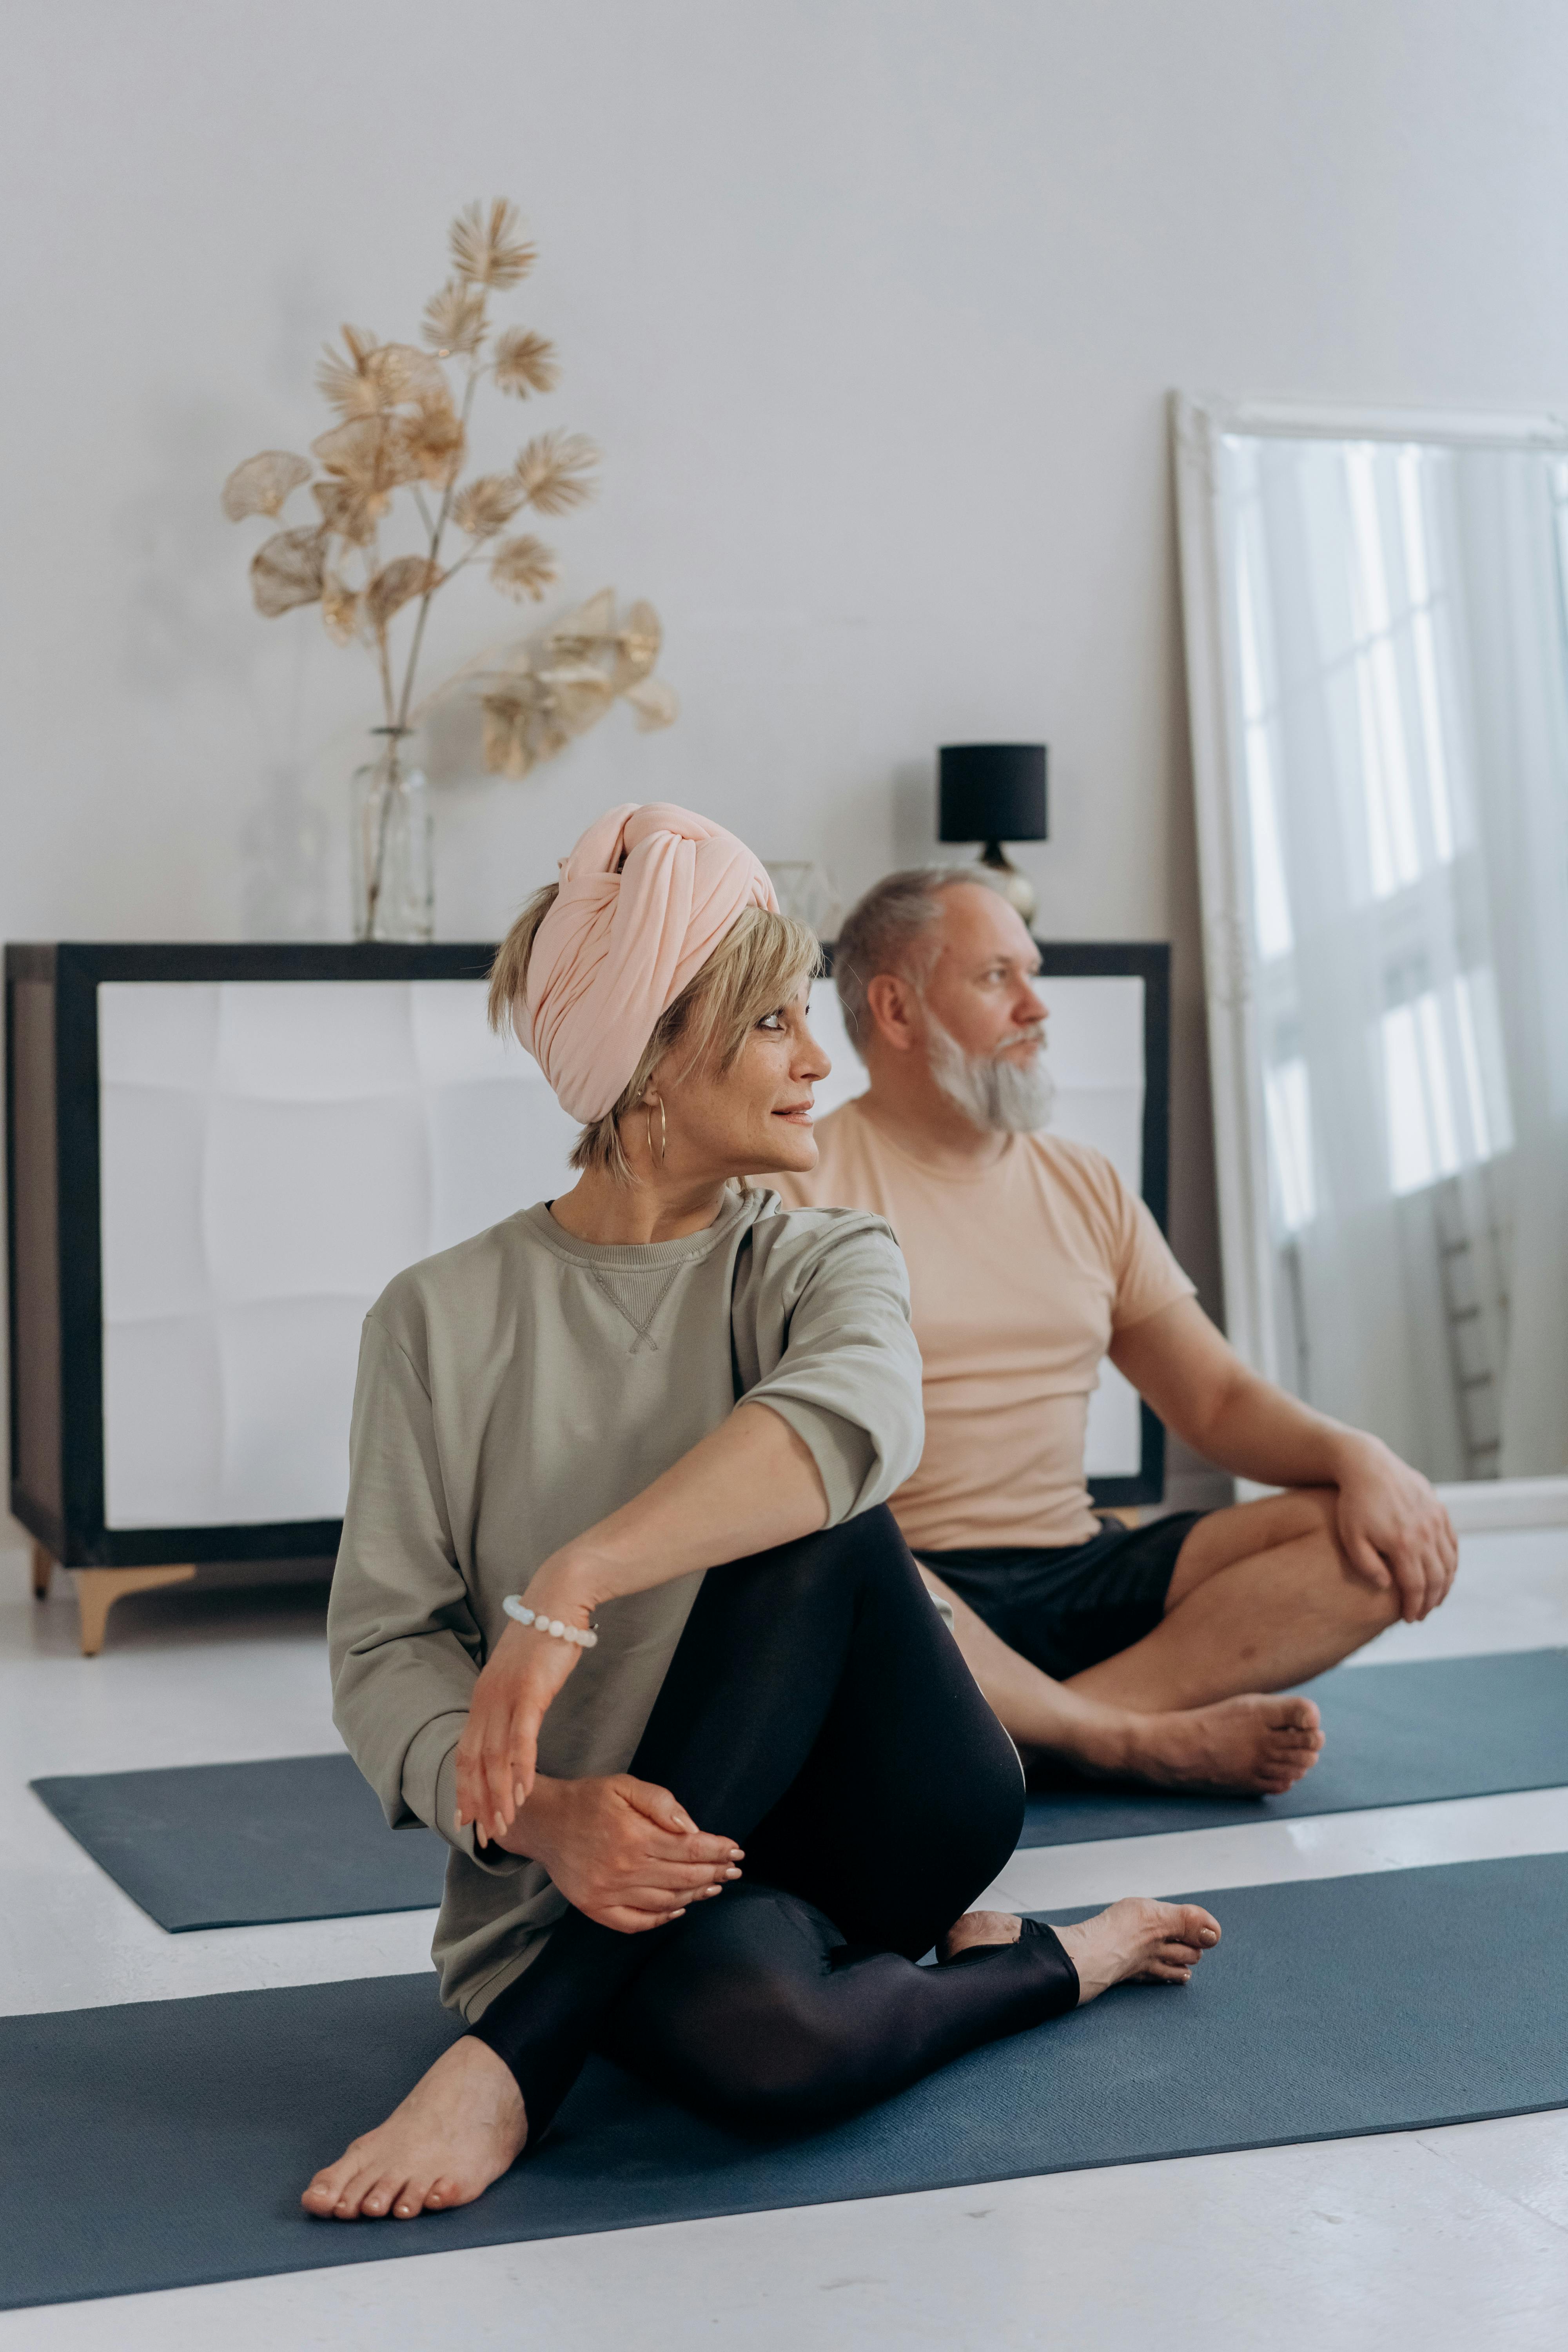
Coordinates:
394 884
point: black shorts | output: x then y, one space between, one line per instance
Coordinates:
1068 1606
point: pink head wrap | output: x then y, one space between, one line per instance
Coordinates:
644 899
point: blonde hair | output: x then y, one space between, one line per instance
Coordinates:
757 967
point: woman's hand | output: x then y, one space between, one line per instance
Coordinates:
498 1752
621 1851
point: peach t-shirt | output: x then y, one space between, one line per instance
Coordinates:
1018 1278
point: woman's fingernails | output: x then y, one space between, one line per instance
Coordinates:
731 1873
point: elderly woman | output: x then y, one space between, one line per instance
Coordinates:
619 1607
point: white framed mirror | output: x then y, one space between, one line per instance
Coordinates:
1377 661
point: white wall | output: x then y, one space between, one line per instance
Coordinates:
873 305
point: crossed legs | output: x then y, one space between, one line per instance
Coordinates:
1261 1597
817 1710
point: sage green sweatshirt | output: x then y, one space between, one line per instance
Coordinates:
514 1391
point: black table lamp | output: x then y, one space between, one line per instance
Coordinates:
993 793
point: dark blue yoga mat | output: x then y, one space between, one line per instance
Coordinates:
241 1845
301 1837
1404 1735
164 2143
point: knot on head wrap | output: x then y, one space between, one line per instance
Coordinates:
645 898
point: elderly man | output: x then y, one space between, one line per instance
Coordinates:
1152 1652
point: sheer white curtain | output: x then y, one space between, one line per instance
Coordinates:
1401 650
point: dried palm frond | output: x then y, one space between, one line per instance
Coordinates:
487 249
552 470
340 609
262 484
377 376
506 727
523 567
350 513
655 704
637 647
435 439
455 320
487 504
286 570
577 693
405 577
579 635
525 363
342 383
371 454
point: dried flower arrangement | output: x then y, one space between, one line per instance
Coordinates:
400 428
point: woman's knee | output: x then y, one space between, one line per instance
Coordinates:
782 2057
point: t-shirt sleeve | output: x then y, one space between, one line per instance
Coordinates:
1147 1274
826 1311
404 1644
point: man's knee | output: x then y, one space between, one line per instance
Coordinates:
1370 1608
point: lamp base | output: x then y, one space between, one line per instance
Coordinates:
1016 888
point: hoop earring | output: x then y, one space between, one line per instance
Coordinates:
663 1129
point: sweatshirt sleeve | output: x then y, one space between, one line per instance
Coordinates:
823 1336
404 1646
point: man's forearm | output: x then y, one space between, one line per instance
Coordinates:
1258 1431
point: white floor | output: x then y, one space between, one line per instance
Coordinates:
1455 2239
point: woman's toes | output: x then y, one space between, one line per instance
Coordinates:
1193 1925
412 2199
379 2196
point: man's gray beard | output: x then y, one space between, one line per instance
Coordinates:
994 1093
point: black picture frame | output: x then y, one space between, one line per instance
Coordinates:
54 1290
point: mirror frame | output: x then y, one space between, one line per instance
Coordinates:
1198 423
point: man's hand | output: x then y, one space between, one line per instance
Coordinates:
621 1851
1392 1529
499 1746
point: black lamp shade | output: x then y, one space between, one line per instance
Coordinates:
992 792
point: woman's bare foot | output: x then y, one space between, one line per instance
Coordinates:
1138 1941
459 2128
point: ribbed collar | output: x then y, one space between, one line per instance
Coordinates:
632 1258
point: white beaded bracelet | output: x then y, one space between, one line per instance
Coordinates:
554 1626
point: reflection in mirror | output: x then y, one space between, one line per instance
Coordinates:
1380 673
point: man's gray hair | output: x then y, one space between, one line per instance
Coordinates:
893 928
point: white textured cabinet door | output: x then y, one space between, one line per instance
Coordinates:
272 1153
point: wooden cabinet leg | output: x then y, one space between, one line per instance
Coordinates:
98 1590
43 1569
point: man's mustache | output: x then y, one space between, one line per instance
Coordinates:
1035 1037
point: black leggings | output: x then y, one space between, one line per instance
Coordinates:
818 1711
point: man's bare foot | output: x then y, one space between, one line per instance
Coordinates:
1138 1941
1258 1745
979 1927
459 2128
